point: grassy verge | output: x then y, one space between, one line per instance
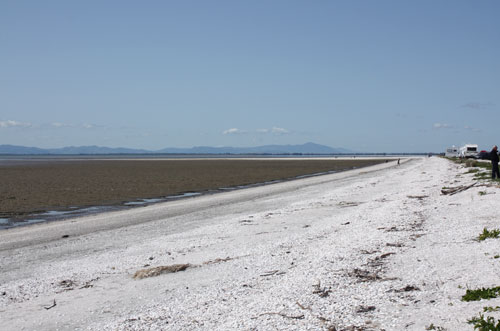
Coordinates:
481 170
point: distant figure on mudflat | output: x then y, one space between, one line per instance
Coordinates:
494 162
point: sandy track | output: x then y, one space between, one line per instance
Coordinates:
376 248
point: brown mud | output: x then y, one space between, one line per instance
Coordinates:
40 186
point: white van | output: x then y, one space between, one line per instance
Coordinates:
468 150
451 151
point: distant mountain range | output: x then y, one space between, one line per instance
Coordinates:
308 148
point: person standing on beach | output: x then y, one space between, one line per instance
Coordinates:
494 163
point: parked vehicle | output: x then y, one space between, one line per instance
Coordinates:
483 155
451 151
468 151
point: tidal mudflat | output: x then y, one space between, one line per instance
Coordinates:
44 186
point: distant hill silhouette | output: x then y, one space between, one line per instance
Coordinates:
308 148
70 150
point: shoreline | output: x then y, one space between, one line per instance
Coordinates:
378 248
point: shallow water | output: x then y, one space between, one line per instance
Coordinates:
54 215
142 202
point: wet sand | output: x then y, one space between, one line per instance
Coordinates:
38 186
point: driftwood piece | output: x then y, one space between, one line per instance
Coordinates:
408 288
52 306
323 292
368 276
419 197
344 204
89 284
168 269
457 189
269 273
218 260
297 317
156 271
394 244
302 306
67 285
365 309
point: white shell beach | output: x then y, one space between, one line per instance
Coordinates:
378 248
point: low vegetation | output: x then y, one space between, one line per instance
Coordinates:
482 175
485 323
489 234
480 169
469 163
482 293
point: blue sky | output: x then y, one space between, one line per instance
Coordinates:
371 76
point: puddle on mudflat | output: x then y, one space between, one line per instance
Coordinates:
184 195
6 223
55 213
142 202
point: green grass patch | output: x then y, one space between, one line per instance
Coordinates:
482 175
483 165
481 169
475 163
488 234
483 323
435 327
482 293
489 309
482 192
